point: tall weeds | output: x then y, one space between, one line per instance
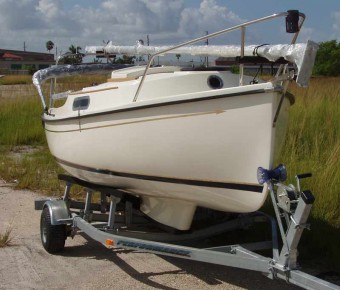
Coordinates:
312 144
16 79
5 237
20 122
29 167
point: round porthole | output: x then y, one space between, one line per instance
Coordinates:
215 82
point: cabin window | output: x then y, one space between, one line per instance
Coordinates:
81 103
215 82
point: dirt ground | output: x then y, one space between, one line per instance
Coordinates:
89 265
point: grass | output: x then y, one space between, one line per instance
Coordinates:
30 168
27 79
312 145
16 80
20 121
90 79
20 126
5 238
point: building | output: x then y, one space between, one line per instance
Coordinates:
23 62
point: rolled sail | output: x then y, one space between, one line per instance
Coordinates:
300 54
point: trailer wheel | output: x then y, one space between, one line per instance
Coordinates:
52 236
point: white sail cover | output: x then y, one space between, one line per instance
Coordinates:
301 54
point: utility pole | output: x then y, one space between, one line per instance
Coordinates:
24 46
148 43
207 43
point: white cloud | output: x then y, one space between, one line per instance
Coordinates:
166 21
34 22
123 22
167 12
18 15
126 21
208 17
49 8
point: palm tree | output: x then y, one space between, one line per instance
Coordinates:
76 56
49 45
73 49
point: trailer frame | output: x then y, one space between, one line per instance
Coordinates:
60 216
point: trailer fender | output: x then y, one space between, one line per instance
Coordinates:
59 212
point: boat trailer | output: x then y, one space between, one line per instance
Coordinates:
118 224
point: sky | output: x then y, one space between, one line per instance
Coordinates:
92 22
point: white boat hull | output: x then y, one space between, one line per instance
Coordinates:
176 155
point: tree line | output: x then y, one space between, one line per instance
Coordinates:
327 61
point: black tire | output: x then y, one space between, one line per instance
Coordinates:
52 237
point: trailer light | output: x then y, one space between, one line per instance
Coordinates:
278 174
109 243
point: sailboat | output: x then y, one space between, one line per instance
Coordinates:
179 138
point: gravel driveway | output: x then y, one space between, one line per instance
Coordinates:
89 265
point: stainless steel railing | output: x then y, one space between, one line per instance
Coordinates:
242 27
